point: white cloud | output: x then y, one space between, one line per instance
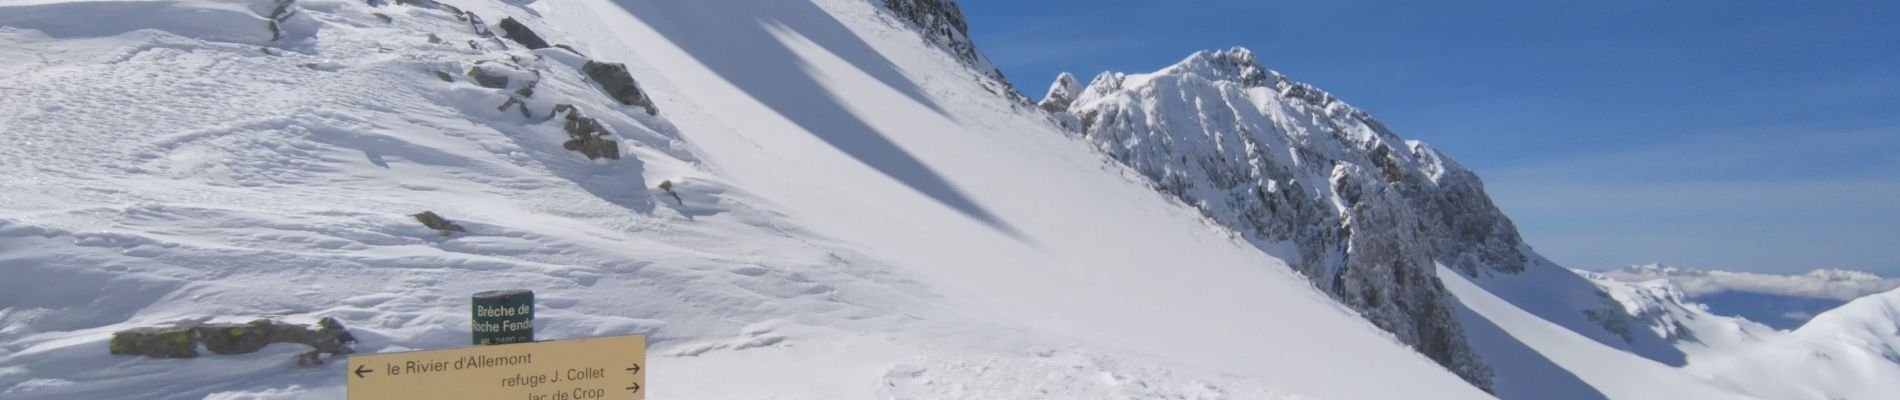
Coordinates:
1820 284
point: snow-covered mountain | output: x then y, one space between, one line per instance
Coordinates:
1399 232
1364 214
1780 301
823 199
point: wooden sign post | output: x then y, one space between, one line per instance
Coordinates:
602 368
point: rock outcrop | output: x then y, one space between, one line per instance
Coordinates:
941 23
514 30
156 342
183 340
433 221
1061 94
614 78
586 135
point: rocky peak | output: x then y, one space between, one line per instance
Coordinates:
941 23
1236 65
934 13
1061 93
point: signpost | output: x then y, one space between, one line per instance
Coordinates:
602 368
502 317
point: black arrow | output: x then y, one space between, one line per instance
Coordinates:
635 388
634 370
362 369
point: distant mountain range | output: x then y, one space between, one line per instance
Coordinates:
1779 301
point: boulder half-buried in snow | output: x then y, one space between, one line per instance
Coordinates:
613 78
514 30
182 341
434 221
157 342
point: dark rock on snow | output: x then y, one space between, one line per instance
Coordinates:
231 338
182 341
489 76
436 222
614 78
586 135
514 30
157 342
594 148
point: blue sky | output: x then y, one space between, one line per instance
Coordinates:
1760 136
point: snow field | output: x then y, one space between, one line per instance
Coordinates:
166 171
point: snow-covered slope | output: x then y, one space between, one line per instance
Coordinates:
1780 301
859 216
1540 359
1661 307
1846 353
1852 352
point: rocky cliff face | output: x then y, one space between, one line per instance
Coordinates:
941 23
1361 212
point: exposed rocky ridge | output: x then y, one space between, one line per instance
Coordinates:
942 24
1361 212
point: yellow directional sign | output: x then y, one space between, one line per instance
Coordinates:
602 368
